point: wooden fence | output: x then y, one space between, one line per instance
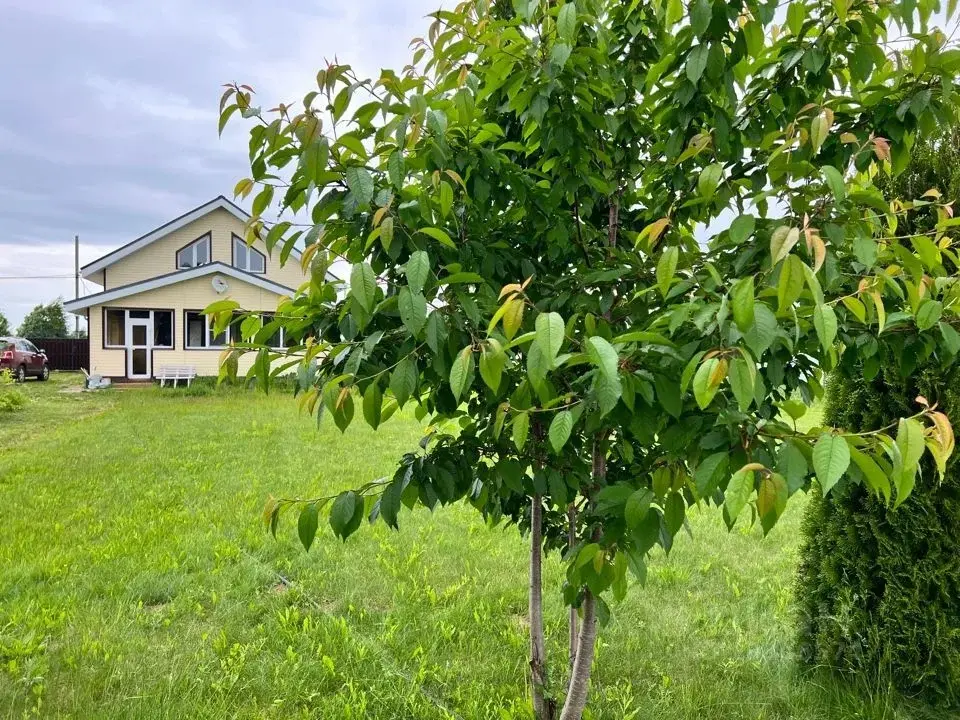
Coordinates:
65 353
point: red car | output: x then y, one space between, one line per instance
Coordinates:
21 357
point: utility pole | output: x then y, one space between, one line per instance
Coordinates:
76 278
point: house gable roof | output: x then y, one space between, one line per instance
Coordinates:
76 306
218 203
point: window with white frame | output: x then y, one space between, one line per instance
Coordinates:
199 332
115 326
247 258
195 254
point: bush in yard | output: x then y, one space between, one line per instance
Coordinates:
522 210
11 399
879 589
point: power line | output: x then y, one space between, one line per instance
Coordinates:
35 277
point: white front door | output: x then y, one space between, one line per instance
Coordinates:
139 347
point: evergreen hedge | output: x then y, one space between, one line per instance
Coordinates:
878 589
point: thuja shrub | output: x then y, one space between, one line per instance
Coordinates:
879 588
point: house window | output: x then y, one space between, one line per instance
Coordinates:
199 332
115 326
195 254
114 330
163 328
247 258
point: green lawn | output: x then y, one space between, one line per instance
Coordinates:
136 580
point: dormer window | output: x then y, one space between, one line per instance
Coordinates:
246 258
195 254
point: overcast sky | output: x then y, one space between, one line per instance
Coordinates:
110 112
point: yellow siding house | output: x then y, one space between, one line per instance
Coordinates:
155 287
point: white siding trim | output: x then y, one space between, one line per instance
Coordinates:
219 202
214 268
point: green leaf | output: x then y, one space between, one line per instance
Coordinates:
928 314
439 235
927 250
910 441
395 169
753 36
951 338
372 405
413 310
637 506
607 391
796 14
667 268
446 199
436 331
462 373
825 323
603 355
700 14
792 464
782 241
706 382
643 337
709 472
742 228
737 493
403 380
856 308
559 55
492 360
538 365
386 232
343 512
550 330
835 182
743 301
567 21
875 478
521 428
709 179
696 64
363 285
343 412
831 457
741 382
673 512
790 284
417 270
360 182
674 11
307 525
560 428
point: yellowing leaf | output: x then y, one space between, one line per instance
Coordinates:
512 317
782 242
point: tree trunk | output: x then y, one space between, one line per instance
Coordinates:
542 709
571 541
580 677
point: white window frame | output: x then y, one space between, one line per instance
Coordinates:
126 318
192 249
206 332
247 252
227 333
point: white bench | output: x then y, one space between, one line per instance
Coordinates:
175 373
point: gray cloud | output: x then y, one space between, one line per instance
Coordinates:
109 127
